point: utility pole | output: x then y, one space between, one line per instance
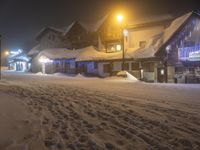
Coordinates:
123 51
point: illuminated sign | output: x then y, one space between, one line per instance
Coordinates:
194 56
189 53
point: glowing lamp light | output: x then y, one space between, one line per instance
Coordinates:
120 18
44 59
118 47
162 72
7 53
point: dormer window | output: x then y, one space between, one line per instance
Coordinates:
114 47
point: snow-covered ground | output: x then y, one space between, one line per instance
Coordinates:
64 112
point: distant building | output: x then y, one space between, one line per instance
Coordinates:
19 61
72 37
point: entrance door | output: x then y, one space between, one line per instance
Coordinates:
160 75
82 68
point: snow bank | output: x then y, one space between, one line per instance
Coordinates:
40 74
127 75
76 113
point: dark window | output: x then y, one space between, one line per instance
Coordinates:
53 37
148 67
179 69
142 44
95 65
106 68
126 66
135 66
57 65
191 70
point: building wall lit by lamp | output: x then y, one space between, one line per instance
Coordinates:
44 60
125 32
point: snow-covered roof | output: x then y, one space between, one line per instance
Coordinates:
35 50
21 56
59 53
174 26
90 54
94 55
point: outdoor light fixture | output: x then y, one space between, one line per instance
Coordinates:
7 53
125 31
44 59
162 72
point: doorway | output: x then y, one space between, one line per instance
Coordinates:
161 75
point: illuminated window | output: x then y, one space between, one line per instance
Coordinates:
118 47
114 47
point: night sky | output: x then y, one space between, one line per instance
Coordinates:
21 20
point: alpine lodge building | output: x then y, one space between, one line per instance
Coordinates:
159 49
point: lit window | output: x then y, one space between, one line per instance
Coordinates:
118 47
113 47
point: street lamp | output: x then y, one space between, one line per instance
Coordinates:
7 53
120 19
